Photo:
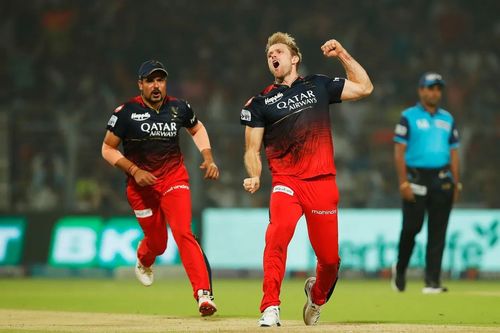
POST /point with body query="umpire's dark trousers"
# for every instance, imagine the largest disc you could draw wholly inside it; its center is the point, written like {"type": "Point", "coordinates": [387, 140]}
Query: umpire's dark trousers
{"type": "Point", "coordinates": [434, 197]}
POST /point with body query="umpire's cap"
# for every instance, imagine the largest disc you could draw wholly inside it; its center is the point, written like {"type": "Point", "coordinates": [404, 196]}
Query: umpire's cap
{"type": "Point", "coordinates": [148, 67]}
{"type": "Point", "coordinates": [431, 78]}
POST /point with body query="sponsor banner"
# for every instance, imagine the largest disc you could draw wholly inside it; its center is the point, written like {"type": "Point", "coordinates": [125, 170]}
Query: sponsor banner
{"type": "Point", "coordinates": [368, 240]}
{"type": "Point", "coordinates": [12, 232]}
{"type": "Point", "coordinates": [234, 239]}
{"type": "Point", "coordinates": [90, 242]}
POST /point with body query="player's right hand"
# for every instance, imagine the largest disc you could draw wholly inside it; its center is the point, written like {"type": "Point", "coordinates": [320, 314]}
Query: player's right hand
{"type": "Point", "coordinates": [251, 184]}
{"type": "Point", "coordinates": [407, 194]}
{"type": "Point", "coordinates": [144, 178]}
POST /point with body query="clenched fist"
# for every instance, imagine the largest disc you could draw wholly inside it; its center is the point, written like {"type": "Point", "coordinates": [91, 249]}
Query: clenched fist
{"type": "Point", "coordinates": [251, 184]}
{"type": "Point", "coordinates": [332, 48]}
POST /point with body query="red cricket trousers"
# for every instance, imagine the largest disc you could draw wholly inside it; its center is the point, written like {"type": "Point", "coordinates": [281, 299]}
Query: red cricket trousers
{"type": "Point", "coordinates": [291, 198]}
{"type": "Point", "coordinates": [169, 202]}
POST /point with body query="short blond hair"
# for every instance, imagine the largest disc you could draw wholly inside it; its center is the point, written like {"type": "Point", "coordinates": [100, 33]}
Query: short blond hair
{"type": "Point", "coordinates": [288, 40]}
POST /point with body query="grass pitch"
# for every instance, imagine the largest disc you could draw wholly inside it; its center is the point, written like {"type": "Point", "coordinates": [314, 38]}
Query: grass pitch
{"type": "Point", "coordinates": [470, 306]}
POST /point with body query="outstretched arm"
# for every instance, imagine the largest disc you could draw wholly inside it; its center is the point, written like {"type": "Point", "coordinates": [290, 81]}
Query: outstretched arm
{"type": "Point", "coordinates": [114, 157]}
{"type": "Point", "coordinates": [253, 164]}
{"type": "Point", "coordinates": [358, 83]}
{"type": "Point", "coordinates": [200, 138]}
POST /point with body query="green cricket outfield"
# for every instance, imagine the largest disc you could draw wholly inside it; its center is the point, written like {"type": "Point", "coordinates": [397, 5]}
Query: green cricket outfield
{"type": "Point", "coordinates": [108, 305]}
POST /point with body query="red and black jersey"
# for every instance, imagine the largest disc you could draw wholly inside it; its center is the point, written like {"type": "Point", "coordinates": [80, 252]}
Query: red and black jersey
{"type": "Point", "coordinates": [297, 137]}
{"type": "Point", "coordinates": [150, 138]}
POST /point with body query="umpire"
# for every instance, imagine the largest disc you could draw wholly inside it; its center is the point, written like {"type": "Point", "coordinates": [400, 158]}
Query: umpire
{"type": "Point", "coordinates": [426, 158]}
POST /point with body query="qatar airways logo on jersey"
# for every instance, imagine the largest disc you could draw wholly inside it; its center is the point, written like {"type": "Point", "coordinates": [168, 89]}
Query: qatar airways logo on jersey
{"type": "Point", "coordinates": [160, 129]}
{"type": "Point", "coordinates": [274, 99]}
{"type": "Point", "coordinates": [298, 101]}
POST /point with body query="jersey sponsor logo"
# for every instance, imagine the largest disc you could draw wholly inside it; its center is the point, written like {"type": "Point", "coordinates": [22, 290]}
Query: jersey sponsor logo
{"type": "Point", "coordinates": [143, 212]}
{"type": "Point", "coordinates": [324, 212]}
{"type": "Point", "coordinates": [177, 187]}
{"type": "Point", "coordinates": [298, 101]}
{"type": "Point", "coordinates": [160, 129]}
{"type": "Point", "coordinates": [246, 115]}
{"type": "Point", "coordinates": [401, 130]}
{"type": "Point", "coordinates": [283, 189]}
{"type": "Point", "coordinates": [423, 124]}
{"type": "Point", "coordinates": [442, 124]}
{"type": "Point", "coordinates": [140, 116]}
{"type": "Point", "coordinates": [112, 121]}
{"type": "Point", "coordinates": [274, 99]}
{"type": "Point", "coordinates": [192, 120]}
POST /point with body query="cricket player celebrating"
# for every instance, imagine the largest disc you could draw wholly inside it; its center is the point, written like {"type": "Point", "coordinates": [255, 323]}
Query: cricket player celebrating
{"type": "Point", "coordinates": [158, 183]}
{"type": "Point", "coordinates": [291, 118]}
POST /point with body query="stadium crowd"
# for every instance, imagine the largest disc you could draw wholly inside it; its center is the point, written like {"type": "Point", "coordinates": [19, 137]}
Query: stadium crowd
{"type": "Point", "coordinates": [66, 65]}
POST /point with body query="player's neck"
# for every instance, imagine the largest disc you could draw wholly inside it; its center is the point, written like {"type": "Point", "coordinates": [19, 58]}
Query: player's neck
{"type": "Point", "coordinates": [432, 109]}
{"type": "Point", "coordinates": [288, 79]}
{"type": "Point", "coordinates": [155, 106]}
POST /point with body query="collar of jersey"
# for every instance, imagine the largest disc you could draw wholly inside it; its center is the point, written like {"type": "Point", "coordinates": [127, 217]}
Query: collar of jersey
{"type": "Point", "coordinates": [296, 81]}
{"type": "Point", "coordinates": [422, 109]}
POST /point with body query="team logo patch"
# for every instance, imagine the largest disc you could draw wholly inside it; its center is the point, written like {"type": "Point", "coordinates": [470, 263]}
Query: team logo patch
{"type": "Point", "coordinates": [423, 124]}
{"type": "Point", "coordinates": [283, 189]}
{"type": "Point", "coordinates": [112, 121]}
{"type": "Point", "coordinates": [174, 111]}
{"type": "Point", "coordinates": [143, 213]}
{"type": "Point", "coordinates": [246, 115]}
{"type": "Point", "coordinates": [140, 116]}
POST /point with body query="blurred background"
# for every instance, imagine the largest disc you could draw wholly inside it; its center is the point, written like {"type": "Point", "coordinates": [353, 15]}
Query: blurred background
{"type": "Point", "coordinates": [66, 65]}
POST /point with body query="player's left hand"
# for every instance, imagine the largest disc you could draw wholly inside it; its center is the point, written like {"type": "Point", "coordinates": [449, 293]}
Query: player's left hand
{"type": "Point", "coordinates": [332, 48]}
{"type": "Point", "coordinates": [211, 169]}
{"type": "Point", "coordinates": [456, 194]}
{"type": "Point", "coordinates": [251, 184]}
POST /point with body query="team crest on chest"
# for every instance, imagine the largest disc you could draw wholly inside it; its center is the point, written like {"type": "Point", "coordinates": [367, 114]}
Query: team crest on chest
{"type": "Point", "coordinates": [174, 111]}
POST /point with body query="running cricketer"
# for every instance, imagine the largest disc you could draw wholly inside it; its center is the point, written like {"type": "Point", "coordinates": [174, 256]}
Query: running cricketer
{"type": "Point", "coordinates": [291, 118]}
{"type": "Point", "coordinates": [157, 180]}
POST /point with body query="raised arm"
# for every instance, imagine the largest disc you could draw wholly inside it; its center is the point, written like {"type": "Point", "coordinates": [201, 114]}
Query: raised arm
{"type": "Point", "coordinates": [358, 83]}
{"type": "Point", "coordinates": [253, 164]}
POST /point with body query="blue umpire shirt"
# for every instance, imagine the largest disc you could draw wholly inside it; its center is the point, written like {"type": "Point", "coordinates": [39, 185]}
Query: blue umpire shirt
{"type": "Point", "coordinates": [428, 137]}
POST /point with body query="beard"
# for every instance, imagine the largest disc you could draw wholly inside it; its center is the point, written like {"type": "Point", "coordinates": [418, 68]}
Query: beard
{"type": "Point", "coordinates": [154, 97]}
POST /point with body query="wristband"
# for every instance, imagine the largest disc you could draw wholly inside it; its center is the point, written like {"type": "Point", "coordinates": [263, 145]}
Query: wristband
{"type": "Point", "coordinates": [404, 185]}
{"type": "Point", "coordinates": [132, 170]}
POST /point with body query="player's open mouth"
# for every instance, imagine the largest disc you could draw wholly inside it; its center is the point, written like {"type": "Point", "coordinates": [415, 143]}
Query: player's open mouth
{"type": "Point", "coordinates": [156, 94]}
{"type": "Point", "coordinates": [276, 64]}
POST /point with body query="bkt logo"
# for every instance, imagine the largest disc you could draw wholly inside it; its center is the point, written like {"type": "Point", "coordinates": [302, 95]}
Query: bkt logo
{"type": "Point", "coordinates": [298, 101]}
{"type": "Point", "coordinates": [274, 99]}
{"type": "Point", "coordinates": [140, 116]}
{"type": "Point", "coordinates": [160, 129]}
